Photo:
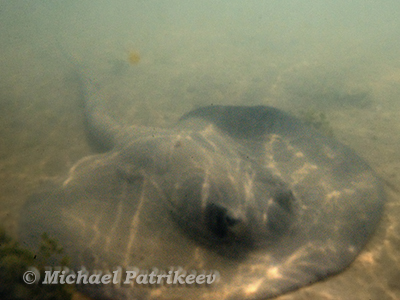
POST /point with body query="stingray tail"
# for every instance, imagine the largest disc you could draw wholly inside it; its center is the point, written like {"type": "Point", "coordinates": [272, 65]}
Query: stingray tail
{"type": "Point", "coordinates": [101, 130]}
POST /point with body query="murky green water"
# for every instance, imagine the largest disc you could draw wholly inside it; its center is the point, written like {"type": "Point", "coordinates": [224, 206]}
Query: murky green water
{"type": "Point", "coordinates": [155, 60]}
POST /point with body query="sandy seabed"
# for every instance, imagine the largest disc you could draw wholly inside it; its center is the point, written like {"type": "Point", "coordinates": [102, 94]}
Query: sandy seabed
{"type": "Point", "coordinates": [42, 132]}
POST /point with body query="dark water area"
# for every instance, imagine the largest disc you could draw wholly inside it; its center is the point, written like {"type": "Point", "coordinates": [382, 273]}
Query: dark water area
{"type": "Point", "coordinates": [156, 60]}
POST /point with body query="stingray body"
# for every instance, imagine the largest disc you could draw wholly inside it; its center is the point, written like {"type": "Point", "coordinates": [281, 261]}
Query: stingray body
{"type": "Point", "coordinates": [247, 193]}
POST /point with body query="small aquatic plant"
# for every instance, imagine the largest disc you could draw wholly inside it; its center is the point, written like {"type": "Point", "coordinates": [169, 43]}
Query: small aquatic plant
{"type": "Point", "coordinates": [15, 261]}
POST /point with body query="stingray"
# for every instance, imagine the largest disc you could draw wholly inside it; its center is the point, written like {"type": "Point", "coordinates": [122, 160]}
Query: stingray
{"type": "Point", "coordinates": [248, 194]}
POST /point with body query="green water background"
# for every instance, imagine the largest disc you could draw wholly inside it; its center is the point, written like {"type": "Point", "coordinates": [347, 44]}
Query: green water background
{"type": "Point", "coordinates": [335, 57]}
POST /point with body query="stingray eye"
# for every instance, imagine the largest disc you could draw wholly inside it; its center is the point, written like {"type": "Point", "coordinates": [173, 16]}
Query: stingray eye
{"type": "Point", "coordinates": [285, 200]}
{"type": "Point", "coordinates": [280, 213]}
{"type": "Point", "coordinates": [127, 175]}
{"type": "Point", "coordinates": [219, 222]}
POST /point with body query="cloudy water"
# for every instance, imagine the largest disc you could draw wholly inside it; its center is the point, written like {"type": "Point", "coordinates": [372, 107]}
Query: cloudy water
{"type": "Point", "coordinates": [334, 62]}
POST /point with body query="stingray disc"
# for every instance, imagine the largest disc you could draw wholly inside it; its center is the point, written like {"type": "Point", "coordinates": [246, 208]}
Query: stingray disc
{"type": "Point", "coordinates": [248, 196]}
